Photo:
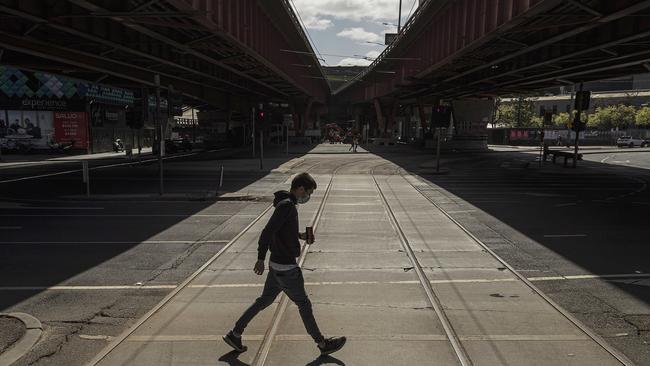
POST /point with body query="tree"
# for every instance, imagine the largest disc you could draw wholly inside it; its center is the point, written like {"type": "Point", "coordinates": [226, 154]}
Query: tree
{"type": "Point", "coordinates": [518, 112]}
{"type": "Point", "coordinates": [643, 117]}
{"type": "Point", "coordinates": [561, 120]}
{"type": "Point", "coordinates": [621, 116]}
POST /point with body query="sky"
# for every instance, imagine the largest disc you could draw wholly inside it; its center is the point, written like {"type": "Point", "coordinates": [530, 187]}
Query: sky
{"type": "Point", "coordinates": [347, 32]}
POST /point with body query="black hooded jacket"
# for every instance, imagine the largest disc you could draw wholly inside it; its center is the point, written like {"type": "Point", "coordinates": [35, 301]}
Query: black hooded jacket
{"type": "Point", "coordinates": [281, 232]}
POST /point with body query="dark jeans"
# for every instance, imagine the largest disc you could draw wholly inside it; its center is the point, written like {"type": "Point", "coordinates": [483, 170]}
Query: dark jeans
{"type": "Point", "coordinates": [293, 284]}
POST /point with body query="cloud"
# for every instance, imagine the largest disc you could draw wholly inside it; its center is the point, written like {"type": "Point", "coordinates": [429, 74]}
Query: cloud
{"type": "Point", "coordinates": [359, 35]}
{"type": "Point", "coordinates": [355, 10]}
{"type": "Point", "coordinates": [317, 23]}
{"type": "Point", "coordinates": [371, 55]}
{"type": "Point", "coordinates": [354, 62]}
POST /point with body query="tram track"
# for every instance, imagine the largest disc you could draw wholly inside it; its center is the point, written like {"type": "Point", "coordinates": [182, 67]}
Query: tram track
{"type": "Point", "coordinates": [620, 357]}
{"type": "Point", "coordinates": [432, 297]}
{"type": "Point", "coordinates": [267, 341]}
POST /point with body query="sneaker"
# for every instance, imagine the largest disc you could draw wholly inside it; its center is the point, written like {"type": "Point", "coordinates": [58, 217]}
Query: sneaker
{"type": "Point", "coordinates": [234, 342]}
{"type": "Point", "coordinates": [332, 345]}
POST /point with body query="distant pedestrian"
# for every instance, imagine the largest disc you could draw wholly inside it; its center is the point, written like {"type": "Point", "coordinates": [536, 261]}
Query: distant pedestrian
{"type": "Point", "coordinates": [280, 236]}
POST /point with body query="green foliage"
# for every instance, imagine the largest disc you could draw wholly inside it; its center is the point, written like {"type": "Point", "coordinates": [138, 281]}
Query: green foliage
{"type": "Point", "coordinates": [517, 113]}
{"type": "Point", "coordinates": [643, 117]}
{"type": "Point", "coordinates": [621, 116]}
{"type": "Point", "coordinates": [561, 120]}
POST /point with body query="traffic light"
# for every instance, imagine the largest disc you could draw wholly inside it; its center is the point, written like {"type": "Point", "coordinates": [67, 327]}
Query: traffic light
{"type": "Point", "coordinates": [441, 116]}
{"type": "Point", "coordinates": [261, 118]}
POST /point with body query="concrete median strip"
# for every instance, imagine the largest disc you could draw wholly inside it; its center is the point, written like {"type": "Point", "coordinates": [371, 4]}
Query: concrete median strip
{"type": "Point", "coordinates": [33, 331]}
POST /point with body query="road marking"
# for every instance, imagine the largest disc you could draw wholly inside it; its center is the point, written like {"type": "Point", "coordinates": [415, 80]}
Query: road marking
{"type": "Point", "coordinates": [148, 242]}
{"type": "Point", "coordinates": [605, 159]}
{"type": "Point", "coordinates": [96, 337]}
{"type": "Point", "coordinates": [565, 236]}
{"type": "Point", "coordinates": [11, 227]}
{"type": "Point", "coordinates": [135, 161]}
{"type": "Point", "coordinates": [54, 208]}
{"type": "Point", "coordinates": [366, 337]}
{"type": "Point", "coordinates": [39, 176]}
{"type": "Point", "coordinates": [85, 288]}
{"type": "Point", "coordinates": [126, 215]}
{"type": "Point", "coordinates": [323, 283]}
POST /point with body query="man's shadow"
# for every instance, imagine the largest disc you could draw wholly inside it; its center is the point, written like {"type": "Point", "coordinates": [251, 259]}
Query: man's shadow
{"type": "Point", "coordinates": [326, 360]}
{"type": "Point", "coordinates": [232, 359]}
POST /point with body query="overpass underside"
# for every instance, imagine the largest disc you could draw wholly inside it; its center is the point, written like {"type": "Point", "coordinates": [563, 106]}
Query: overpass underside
{"type": "Point", "coordinates": [222, 53]}
{"type": "Point", "coordinates": [481, 49]}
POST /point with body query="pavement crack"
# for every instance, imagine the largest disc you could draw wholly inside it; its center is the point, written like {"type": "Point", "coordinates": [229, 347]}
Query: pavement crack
{"type": "Point", "coordinates": [176, 263]}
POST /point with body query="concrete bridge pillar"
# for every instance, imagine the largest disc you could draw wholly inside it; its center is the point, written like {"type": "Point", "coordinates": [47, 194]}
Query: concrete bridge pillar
{"type": "Point", "coordinates": [470, 121]}
{"type": "Point", "coordinates": [379, 113]}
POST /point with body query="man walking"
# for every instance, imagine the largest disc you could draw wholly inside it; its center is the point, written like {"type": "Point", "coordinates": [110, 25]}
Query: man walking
{"type": "Point", "coordinates": [280, 236]}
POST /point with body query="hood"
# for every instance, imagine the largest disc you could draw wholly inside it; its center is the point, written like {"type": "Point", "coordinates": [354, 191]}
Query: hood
{"type": "Point", "coordinates": [282, 195]}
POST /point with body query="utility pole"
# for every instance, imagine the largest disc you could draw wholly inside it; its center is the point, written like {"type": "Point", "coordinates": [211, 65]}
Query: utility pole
{"type": "Point", "coordinates": [253, 128]}
{"type": "Point", "coordinates": [576, 126]}
{"type": "Point", "coordinates": [399, 18]}
{"type": "Point", "coordinates": [159, 130]}
{"type": "Point", "coordinates": [261, 150]}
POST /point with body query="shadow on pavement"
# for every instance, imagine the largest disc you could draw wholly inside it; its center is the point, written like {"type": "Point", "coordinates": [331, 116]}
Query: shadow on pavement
{"type": "Point", "coordinates": [326, 360]}
{"type": "Point", "coordinates": [232, 359]}
{"type": "Point", "coordinates": [595, 216]}
{"type": "Point", "coordinates": [51, 234]}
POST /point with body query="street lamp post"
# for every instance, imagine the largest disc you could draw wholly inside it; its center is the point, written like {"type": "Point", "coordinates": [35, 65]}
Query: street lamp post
{"type": "Point", "coordinates": [399, 17]}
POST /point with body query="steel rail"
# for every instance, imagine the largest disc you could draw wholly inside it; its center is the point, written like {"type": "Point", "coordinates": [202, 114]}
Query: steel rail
{"type": "Point", "coordinates": [590, 333]}
{"type": "Point", "coordinates": [122, 337]}
{"type": "Point", "coordinates": [267, 341]}
{"type": "Point", "coordinates": [453, 338]}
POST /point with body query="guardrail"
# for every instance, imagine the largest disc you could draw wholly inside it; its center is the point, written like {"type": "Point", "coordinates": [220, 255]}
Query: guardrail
{"type": "Point", "coordinates": [384, 55]}
{"type": "Point", "coordinates": [301, 31]}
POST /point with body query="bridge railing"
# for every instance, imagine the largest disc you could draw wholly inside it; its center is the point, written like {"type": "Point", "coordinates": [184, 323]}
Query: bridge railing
{"type": "Point", "coordinates": [296, 21]}
{"type": "Point", "coordinates": [384, 55]}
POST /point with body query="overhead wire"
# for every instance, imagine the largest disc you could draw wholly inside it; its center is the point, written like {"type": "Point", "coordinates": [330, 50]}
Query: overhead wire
{"type": "Point", "coordinates": [307, 32]}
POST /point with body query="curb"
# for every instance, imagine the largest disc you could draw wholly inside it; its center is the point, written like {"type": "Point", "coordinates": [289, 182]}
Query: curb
{"type": "Point", "coordinates": [33, 332]}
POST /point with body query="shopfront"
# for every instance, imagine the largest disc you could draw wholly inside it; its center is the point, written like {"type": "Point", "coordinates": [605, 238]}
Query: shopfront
{"type": "Point", "coordinates": [40, 111]}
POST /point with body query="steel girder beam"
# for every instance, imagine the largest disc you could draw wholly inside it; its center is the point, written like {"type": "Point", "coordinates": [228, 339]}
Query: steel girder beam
{"type": "Point", "coordinates": [554, 60]}
{"type": "Point", "coordinates": [561, 73]}
{"type": "Point", "coordinates": [618, 14]}
{"type": "Point", "coordinates": [457, 29]}
{"type": "Point", "coordinates": [120, 47]}
{"type": "Point", "coordinates": [486, 29]}
{"type": "Point", "coordinates": [98, 64]}
{"type": "Point", "coordinates": [566, 75]}
{"type": "Point", "coordinates": [253, 40]}
{"type": "Point", "coordinates": [606, 19]}
{"type": "Point", "coordinates": [92, 7]}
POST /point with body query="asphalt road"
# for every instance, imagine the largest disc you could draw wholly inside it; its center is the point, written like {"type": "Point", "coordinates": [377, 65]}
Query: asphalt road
{"type": "Point", "coordinates": [570, 228]}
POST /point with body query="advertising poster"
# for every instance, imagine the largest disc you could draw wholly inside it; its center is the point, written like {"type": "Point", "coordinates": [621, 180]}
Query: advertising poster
{"type": "Point", "coordinates": [71, 126]}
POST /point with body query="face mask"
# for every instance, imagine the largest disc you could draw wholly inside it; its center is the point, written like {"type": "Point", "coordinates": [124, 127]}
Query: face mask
{"type": "Point", "coordinates": [303, 200]}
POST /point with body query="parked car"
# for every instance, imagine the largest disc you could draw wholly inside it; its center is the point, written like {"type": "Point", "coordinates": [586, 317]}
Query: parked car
{"type": "Point", "coordinates": [630, 141]}
{"type": "Point", "coordinates": [171, 147]}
